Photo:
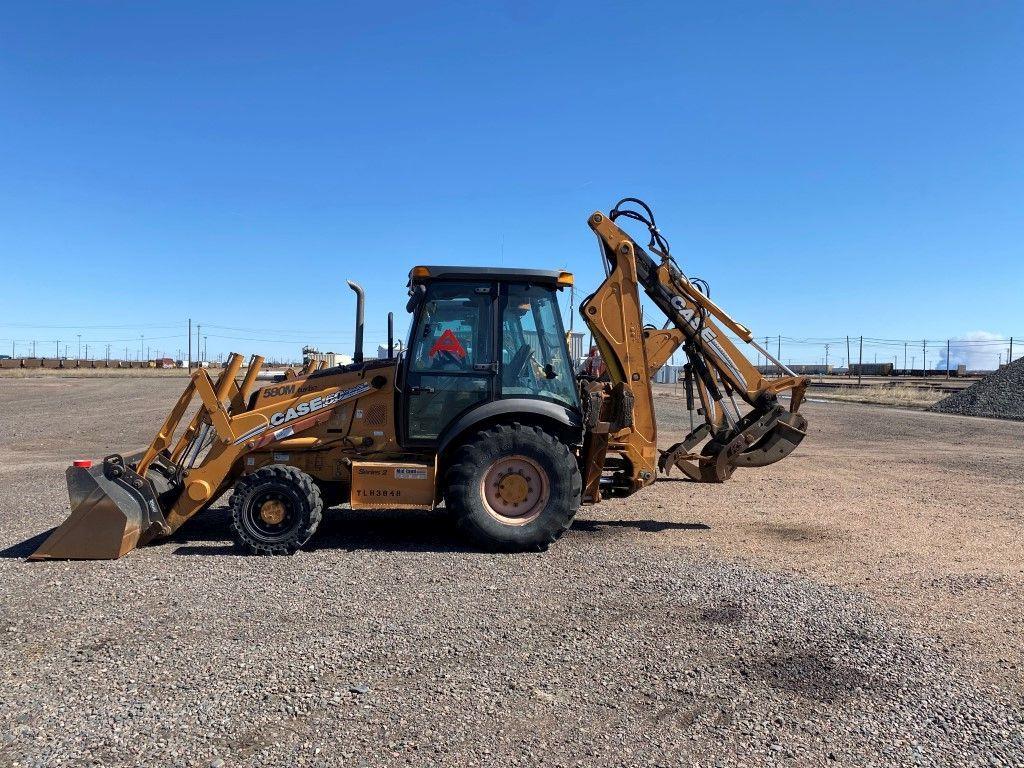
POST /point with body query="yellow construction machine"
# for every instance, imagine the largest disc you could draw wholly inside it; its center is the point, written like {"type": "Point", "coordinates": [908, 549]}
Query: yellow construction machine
{"type": "Point", "coordinates": [483, 410]}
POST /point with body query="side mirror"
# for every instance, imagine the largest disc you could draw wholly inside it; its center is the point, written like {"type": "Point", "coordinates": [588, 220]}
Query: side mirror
{"type": "Point", "coordinates": [418, 292]}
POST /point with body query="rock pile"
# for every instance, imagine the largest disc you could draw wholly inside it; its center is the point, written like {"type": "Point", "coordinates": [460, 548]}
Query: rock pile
{"type": "Point", "coordinates": [999, 395]}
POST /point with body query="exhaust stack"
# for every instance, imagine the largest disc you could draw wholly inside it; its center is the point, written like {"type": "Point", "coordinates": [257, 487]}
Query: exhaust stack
{"type": "Point", "coordinates": [357, 355]}
{"type": "Point", "coordinates": [391, 335]}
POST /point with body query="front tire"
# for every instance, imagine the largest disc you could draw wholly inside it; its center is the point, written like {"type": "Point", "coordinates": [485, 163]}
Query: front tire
{"type": "Point", "coordinates": [513, 488]}
{"type": "Point", "coordinates": [275, 510]}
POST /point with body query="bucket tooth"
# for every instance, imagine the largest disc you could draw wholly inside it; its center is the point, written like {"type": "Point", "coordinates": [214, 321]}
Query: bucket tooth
{"type": "Point", "coordinates": [113, 511]}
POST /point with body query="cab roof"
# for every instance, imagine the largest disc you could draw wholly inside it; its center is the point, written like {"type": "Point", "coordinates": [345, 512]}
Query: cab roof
{"type": "Point", "coordinates": [424, 274]}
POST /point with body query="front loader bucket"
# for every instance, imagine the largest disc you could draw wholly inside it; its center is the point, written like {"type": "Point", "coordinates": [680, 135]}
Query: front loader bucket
{"type": "Point", "coordinates": [113, 511]}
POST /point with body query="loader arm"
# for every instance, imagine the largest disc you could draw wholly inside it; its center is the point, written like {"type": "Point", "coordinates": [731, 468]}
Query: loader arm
{"type": "Point", "coordinates": [128, 501]}
{"type": "Point", "coordinates": [620, 454]}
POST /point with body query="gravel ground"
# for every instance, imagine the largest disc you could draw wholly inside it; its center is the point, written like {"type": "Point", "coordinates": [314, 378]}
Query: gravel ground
{"type": "Point", "coordinates": [999, 395]}
{"type": "Point", "coordinates": [657, 632]}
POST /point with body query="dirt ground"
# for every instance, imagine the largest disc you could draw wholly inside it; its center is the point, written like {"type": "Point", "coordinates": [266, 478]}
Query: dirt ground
{"type": "Point", "coordinates": [887, 528]}
{"type": "Point", "coordinates": [923, 512]}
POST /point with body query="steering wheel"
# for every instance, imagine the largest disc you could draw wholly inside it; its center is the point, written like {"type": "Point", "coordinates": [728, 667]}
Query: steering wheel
{"type": "Point", "coordinates": [446, 361]}
{"type": "Point", "coordinates": [518, 363]}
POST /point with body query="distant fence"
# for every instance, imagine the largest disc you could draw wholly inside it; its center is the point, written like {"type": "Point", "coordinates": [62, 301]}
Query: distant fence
{"type": "Point", "coordinates": [53, 362]}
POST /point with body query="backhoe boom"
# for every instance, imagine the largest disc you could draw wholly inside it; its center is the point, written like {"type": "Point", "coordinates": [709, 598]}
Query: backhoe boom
{"type": "Point", "coordinates": [719, 372]}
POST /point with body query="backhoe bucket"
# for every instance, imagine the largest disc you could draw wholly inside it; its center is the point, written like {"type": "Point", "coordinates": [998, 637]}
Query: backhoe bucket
{"type": "Point", "coordinates": [113, 511]}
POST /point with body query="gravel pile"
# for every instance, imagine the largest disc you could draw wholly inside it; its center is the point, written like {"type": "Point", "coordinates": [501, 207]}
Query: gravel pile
{"type": "Point", "coordinates": [999, 395]}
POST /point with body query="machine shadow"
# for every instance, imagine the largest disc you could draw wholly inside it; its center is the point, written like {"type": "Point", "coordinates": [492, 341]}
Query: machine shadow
{"type": "Point", "coordinates": [647, 526]}
{"type": "Point", "coordinates": [208, 533]}
{"type": "Point", "coordinates": [23, 549]}
{"type": "Point", "coordinates": [392, 530]}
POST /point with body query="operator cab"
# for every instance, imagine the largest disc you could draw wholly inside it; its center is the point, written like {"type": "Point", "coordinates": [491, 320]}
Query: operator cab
{"type": "Point", "coordinates": [479, 336]}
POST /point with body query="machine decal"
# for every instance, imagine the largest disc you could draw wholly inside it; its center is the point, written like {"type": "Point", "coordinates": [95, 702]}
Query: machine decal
{"type": "Point", "coordinates": [410, 473]}
{"type": "Point", "coordinates": [251, 433]}
{"type": "Point", "coordinates": [707, 335]}
{"type": "Point", "coordinates": [448, 342]}
{"type": "Point", "coordinates": [286, 389]}
{"type": "Point", "coordinates": [318, 404]}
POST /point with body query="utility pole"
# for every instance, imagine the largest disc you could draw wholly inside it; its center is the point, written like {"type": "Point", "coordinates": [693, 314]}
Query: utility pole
{"type": "Point", "coordinates": [1010, 358]}
{"type": "Point", "coordinates": [860, 361]}
{"type": "Point", "coordinates": [947, 358]}
{"type": "Point", "coordinates": [147, 353]}
{"type": "Point", "coordinates": [58, 349]}
{"type": "Point", "coordinates": [904, 356]}
{"type": "Point", "coordinates": [79, 345]}
{"type": "Point", "coordinates": [126, 353]}
{"type": "Point", "coordinates": [779, 351]}
{"type": "Point", "coordinates": [572, 303]}
{"type": "Point", "coordinates": [205, 349]}
{"type": "Point", "coordinates": [924, 358]}
{"type": "Point", "coordinates": [86, 350]}
{"type": "Point", "coordinates": [199, 348]}
{"type": "Point", "coordinates": [190, 345]}
{"type": "Point", "coordinates": [848, 358]}
{"type": "Point", "coordinates": [108, 353]}
{"type": "Point", "coordinates": [826, 356]}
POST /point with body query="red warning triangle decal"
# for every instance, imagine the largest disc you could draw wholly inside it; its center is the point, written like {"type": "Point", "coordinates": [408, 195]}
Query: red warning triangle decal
{"type": "Point", "coordinates": [448, 342]}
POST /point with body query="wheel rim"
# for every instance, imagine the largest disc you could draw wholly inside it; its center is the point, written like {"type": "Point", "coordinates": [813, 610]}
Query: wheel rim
{"type": "Point", "coordinates": [270, 516]}
{"type": "Point", "coordinates": [515, 490]}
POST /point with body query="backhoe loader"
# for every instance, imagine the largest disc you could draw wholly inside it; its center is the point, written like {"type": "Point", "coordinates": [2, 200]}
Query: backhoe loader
{"type": "Point", "coordinates": [482, 411]}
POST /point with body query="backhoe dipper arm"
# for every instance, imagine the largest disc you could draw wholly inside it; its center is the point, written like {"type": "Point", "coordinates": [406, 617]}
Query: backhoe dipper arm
{"type": "Point", "coordinates": [720, 372]}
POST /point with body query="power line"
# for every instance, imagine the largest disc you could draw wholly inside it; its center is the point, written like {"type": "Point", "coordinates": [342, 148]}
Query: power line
{"type": "Point", "coordinates": [86, 327]}
{"type": "Point", "coordinates": [89, 341]}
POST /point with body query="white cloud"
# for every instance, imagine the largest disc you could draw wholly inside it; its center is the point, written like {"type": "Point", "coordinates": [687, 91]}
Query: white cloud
{"type": "Point", "coordinates": [978, 350]}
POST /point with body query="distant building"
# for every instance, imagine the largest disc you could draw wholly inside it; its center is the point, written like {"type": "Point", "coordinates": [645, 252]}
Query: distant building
{"type": "Point", "coordinates": [669, 374]}
{"type": "Point", "coordinates": [382, 350]}
{"type": "Point", "coordinates": [326, 359]}
{"type": "Point", "coordinates": [576, 351]}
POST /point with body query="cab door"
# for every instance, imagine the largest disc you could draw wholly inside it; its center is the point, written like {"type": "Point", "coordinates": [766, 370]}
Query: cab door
{"type": "Point", "coordinates": [451, 364]}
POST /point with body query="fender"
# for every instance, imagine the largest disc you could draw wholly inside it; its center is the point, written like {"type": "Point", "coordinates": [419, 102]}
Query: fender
{"type": "Point", "coordinates": [510, 406]}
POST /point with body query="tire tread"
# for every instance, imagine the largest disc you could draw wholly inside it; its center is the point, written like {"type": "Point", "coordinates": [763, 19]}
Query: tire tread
{"type": "Point", "coordinates": [282, 473]}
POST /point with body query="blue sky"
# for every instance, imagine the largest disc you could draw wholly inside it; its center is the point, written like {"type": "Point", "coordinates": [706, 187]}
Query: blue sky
{"type": "Point", "coordinates": [830, 168]}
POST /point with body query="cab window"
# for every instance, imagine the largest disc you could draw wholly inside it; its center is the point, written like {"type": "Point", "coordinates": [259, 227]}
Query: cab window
{"type": "Point", "coordinates": [450, 357]}
{"type": "Point", "coordinates": [453, 332]}
{"type": "Point", "coordinates": [534, 361]}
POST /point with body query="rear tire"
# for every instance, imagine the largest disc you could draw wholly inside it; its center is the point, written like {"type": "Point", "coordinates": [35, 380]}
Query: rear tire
{"type": "Point", "coordinates": [513, 488]}
{"type": "Point", "coordinates": [275, 510]}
